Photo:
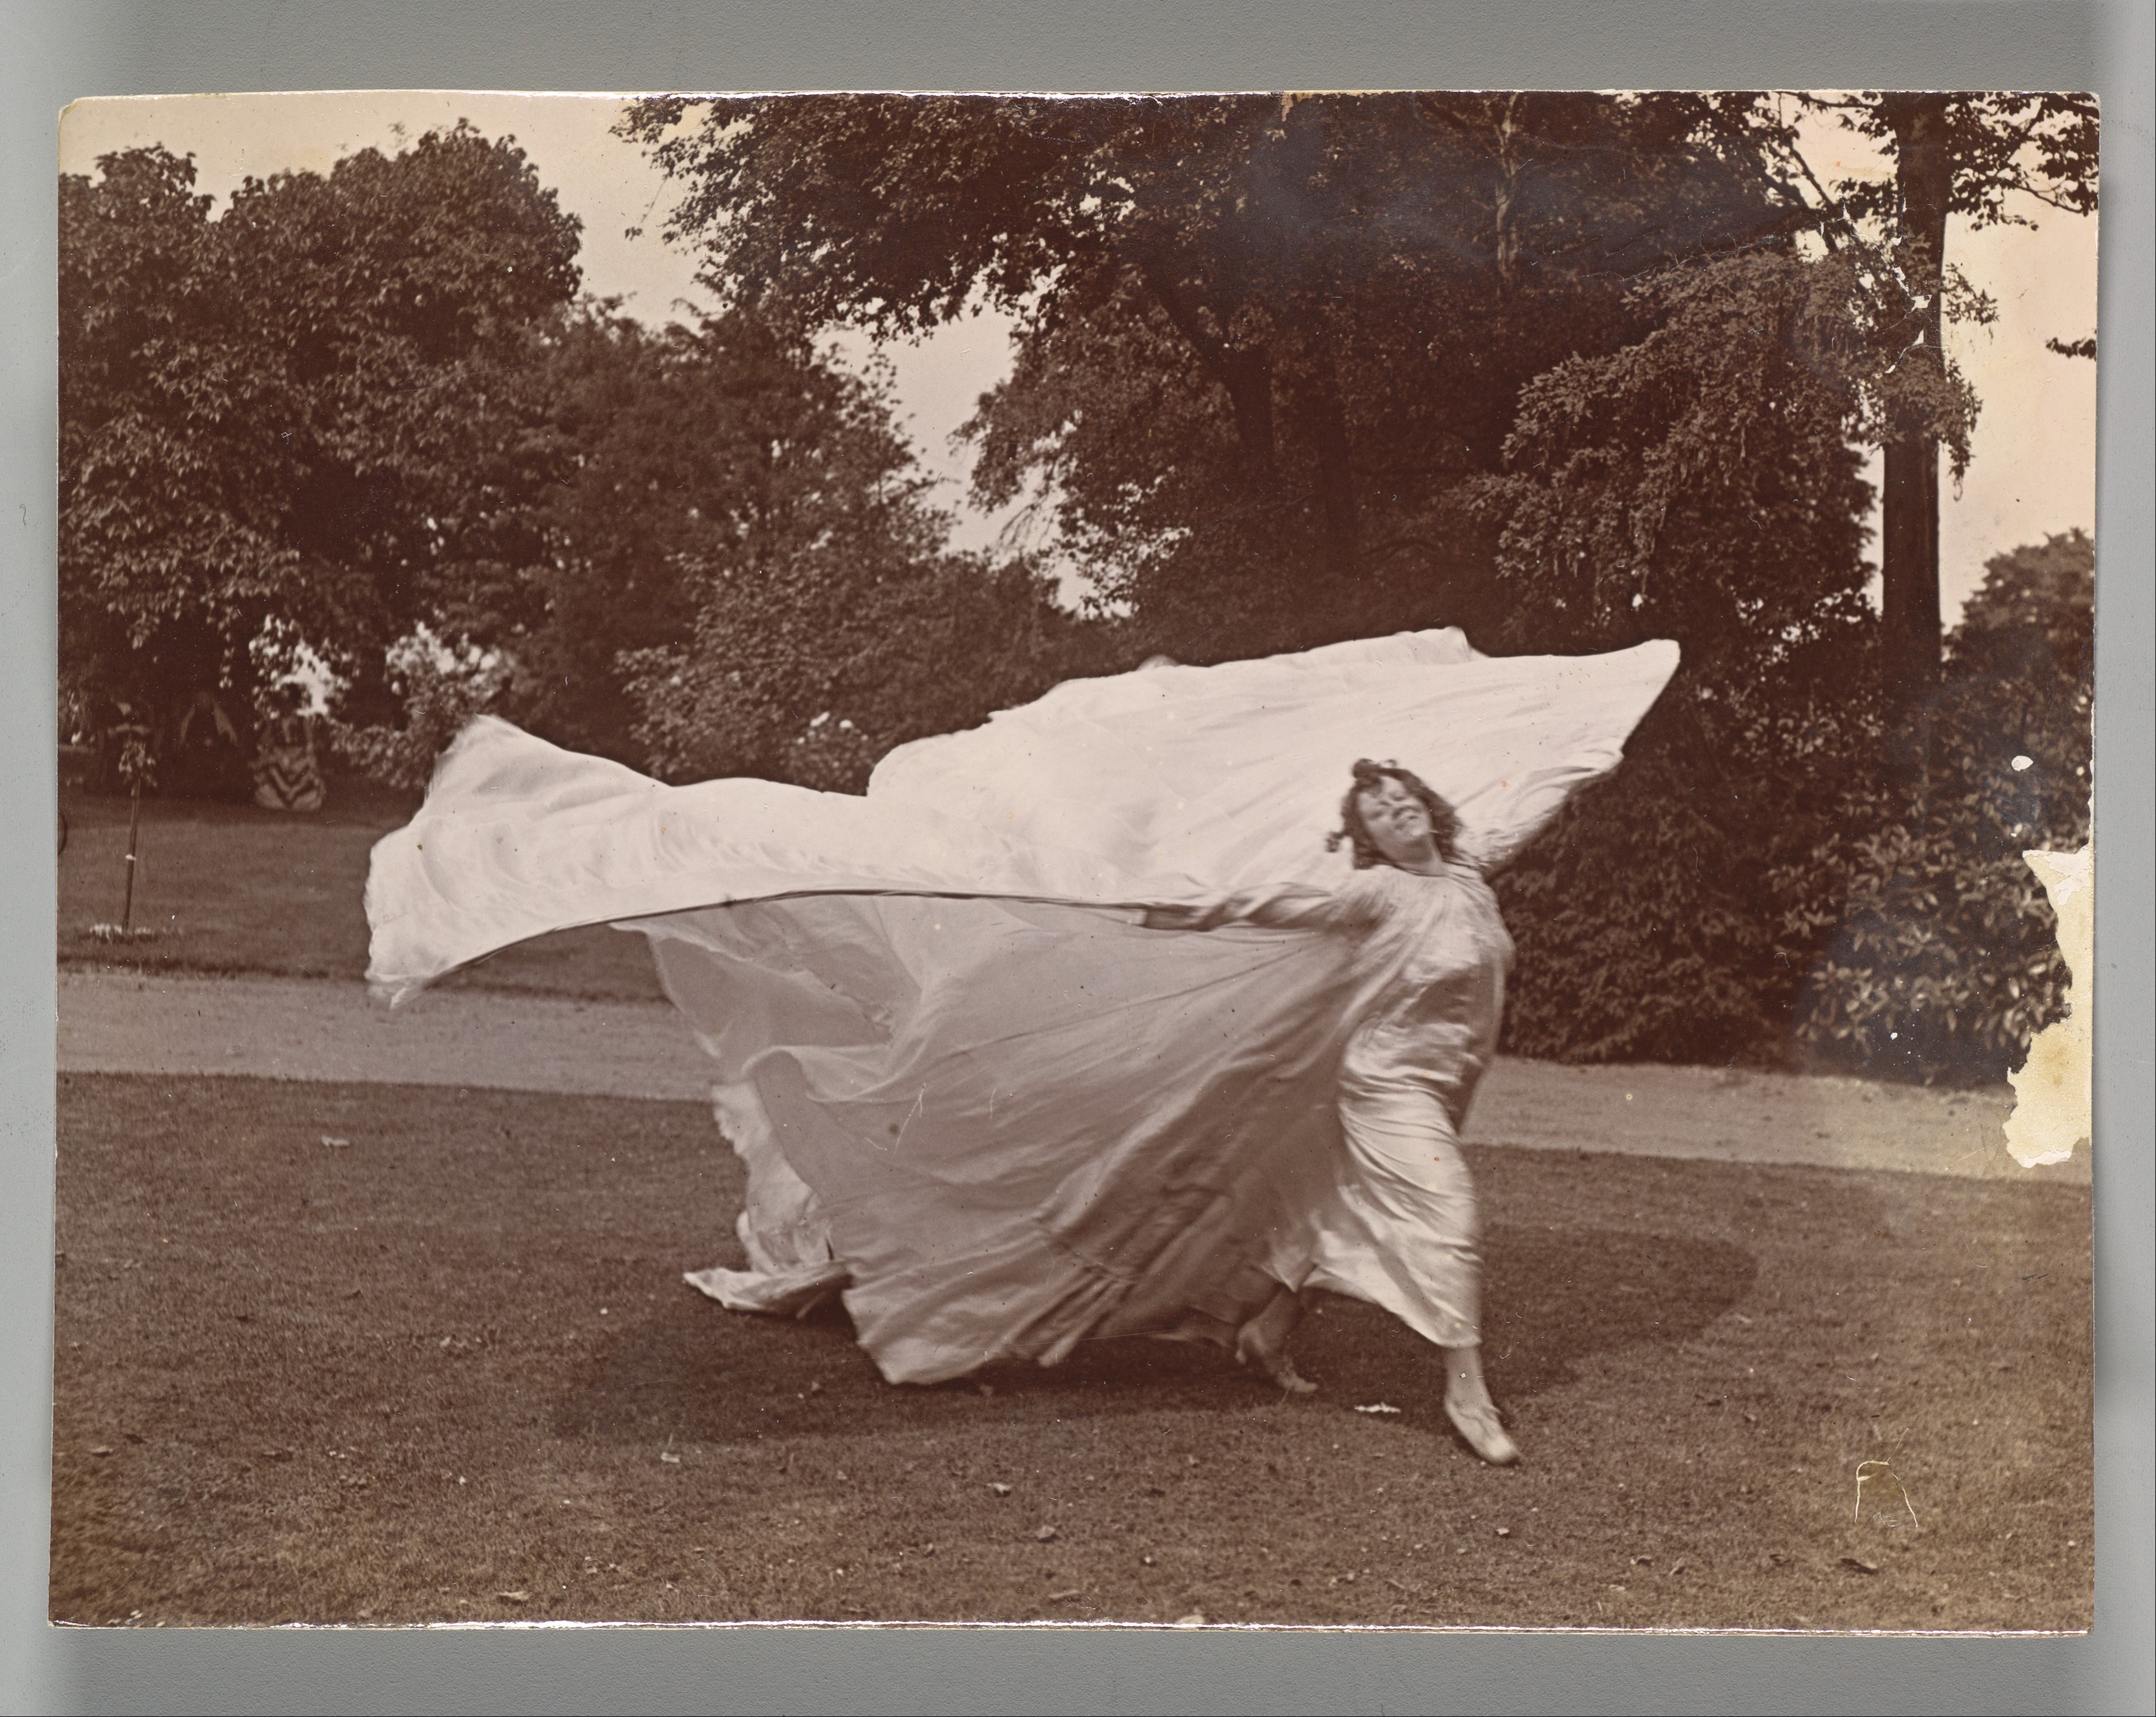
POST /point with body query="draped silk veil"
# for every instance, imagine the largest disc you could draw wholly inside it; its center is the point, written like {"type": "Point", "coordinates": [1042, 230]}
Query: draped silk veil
{"type": "Point", "coordinates": [971, 1087]}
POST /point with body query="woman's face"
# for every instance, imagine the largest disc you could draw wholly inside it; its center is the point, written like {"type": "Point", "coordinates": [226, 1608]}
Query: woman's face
{"type": "Point", "coordinates": [1399, 822]}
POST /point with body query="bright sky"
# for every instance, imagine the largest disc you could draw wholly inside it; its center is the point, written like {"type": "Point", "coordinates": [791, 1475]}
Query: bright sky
{"type": "Point", "coordinates": [2035, 467]}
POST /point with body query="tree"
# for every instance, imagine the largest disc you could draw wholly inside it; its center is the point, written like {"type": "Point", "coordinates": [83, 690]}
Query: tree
{"type": "Point", "coordinates": [1262, 336]}
{"type": "Point", "coordinates": [274, 423]}
{"type": "Point", "coordinates": [730, 568]}
{"type": "Point", "coordinates": [166, 446]}
{"type": "Point", "coordinates": [1758, 880]}
{"type": "Point", "coordinates": [1985, 157]}
{"type": "Point", "coordinates": [1697, 484]}
{"type": "Point", "coordinates": [797, 611]}
{"type": "Point", "coordinates": [359, 414]}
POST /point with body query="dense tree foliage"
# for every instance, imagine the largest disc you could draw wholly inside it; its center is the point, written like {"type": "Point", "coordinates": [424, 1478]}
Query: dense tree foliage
{"type": "Point", "coordinates": [1764, 878]}
{"type": "Point", "coordinates": [1776, 893]}
{"type": "Point", "coordinates": [361, 415]}
{"type": "Point", "coordinates": [1943, 956]}
{"type": "Point", "coordinates": [746, 578]}
{"type": "Point", "coordinates": [273, 423]}
{"type": "Point", "coordinates": [1263, 338]}
{"type": "Point", "coordinates": [1697, 485]}
{"type": "Point", "coordinates": [730, 569]}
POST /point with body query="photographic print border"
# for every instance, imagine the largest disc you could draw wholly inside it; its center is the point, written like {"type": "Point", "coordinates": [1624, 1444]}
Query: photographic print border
{"type": "Point", "coordinates": [60, 53]}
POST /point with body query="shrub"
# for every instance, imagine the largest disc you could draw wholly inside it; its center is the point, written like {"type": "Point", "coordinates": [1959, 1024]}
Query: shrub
{"type": "Point", "coordinates": [1944, 963]}
{"type": "Point", "coordinates": [1632, 945]}
{"type": "Point", "coordinates": [440, 691]}
{"type": "Point", "coordinates": [1753, 885]}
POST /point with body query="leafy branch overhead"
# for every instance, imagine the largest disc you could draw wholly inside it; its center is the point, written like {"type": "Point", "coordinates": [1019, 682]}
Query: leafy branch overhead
{"type": "Point", "coordinates": [1262, 338]}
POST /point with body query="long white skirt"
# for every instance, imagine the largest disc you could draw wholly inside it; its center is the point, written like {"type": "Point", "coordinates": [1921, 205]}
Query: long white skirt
{"type": "Point", "coordinates": [1045, 1123]}
{"type": "Point", "coordinates": [1400, 1226]}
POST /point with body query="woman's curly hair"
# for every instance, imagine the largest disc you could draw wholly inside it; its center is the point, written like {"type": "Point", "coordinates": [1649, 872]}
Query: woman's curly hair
{"type": "Point", "coordinates": [1444, 823]}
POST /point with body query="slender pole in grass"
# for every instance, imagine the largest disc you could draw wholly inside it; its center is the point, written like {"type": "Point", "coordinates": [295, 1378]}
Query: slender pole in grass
{"type": "Point", "coordinates": [134, 826]}
{"type": "Point", "coordinates": [135, 766]}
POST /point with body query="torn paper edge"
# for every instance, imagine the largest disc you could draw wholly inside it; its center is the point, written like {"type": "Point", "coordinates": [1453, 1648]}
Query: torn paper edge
{"type": "Point", "coordinates": [2052, 1088]}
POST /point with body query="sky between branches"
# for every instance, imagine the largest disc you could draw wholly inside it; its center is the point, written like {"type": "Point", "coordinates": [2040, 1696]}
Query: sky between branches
{"type": "Point", "coordinates": [2034, 472]}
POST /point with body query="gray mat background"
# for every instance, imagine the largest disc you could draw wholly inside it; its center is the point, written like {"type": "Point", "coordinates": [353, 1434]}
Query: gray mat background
{"type": "Point", "coordinates": [52, 51]}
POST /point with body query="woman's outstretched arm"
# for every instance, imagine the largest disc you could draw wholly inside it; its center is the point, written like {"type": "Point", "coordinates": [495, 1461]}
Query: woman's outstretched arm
{"type": "Point", "coordinates": [1292, 906]}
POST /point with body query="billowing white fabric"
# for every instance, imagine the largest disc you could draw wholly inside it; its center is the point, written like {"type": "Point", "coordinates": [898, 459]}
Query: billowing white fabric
{"type": "Point", "coordinates": [970, 1085]}
{"type": "Point", "coordinates": [1171, 784]}
{"type": "Point", "coordinates": [1022, 1125]}
{"type": "Point", "coordinates": [1230, 774]}
{"type": "Point", "coordinates": [518, 838]}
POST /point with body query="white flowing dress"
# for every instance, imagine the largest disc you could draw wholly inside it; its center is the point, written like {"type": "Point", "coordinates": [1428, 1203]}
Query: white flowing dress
{"type": "Point", "coordinates": [975, 1094]}
{"type": "Point", "coordinates": [1398, 1224]}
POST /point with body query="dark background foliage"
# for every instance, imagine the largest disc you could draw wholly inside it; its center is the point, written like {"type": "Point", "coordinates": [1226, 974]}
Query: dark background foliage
{"type": "Point", "coordinates": [1810, 908]}
{"type": "Point", "coordinates": [1569, 371]}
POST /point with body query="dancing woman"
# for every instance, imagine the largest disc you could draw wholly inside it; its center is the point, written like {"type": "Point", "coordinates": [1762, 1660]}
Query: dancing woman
{"type": "Point", "coordinates": [979, 1093]}
{"type": "Point", "coordinates": [1400, 1226]}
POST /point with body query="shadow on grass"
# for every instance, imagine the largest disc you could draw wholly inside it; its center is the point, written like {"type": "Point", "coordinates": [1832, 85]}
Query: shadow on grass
{"type": "Point", "coordinates": [1556, 1298]}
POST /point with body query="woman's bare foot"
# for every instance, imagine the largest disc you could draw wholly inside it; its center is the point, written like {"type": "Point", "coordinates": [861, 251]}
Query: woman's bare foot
{"type": "Point", "coordinates": [1278, 1366]}
{"type": "Point", "coordinates": [1476, 1422]}
{"type": "Point", "coordinates": [1264, 1339]}
{"type": "Point", "coordinates": [1473, 1414]}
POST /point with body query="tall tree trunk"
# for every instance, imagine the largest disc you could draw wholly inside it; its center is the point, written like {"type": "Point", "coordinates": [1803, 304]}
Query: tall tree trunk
{"type": "Point", "coordinates": [1325, 419]}
{"type": "Point", "coordinates": [1510, 176]}
{"type": "Point", "coordinates": [1909, 562]}
{"type": "Point", "coordinates": [1246, 372]}
{"type": "Point", "coordinates": [1909, 545]}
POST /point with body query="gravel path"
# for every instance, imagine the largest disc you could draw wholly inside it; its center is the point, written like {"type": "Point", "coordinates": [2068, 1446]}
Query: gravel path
{"type": "Point", "coordinates": [300, 1028]}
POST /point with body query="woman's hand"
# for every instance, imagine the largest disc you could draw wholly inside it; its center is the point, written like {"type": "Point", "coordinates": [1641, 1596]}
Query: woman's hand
{"type": "Point", "coordinates": [1247, 906]}
{"type": "Point", "coordinates": [1273, 908]}
{"type": "Point", "coordinates": [1178, 917]}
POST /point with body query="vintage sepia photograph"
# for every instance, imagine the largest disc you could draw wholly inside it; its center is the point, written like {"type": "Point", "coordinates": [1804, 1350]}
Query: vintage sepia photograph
{"type": "Point", "coordinates": [1263, 860]}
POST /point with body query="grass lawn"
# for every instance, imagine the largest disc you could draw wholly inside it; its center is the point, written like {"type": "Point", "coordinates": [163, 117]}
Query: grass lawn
{"type": "Point", "coordinates": [234, 888]}
{"type": "Point", "coordinates": [445, 1369]}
